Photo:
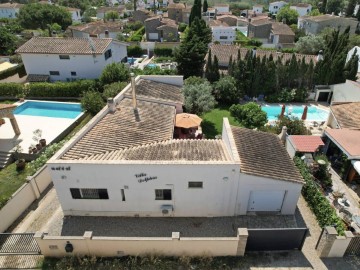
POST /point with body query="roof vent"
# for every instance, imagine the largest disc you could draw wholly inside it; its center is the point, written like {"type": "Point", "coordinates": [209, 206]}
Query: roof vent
{"type": "Point", "coordinates": [111, 105]}
{"type": "Point", "coordinates": [132, 75]}
{"type": "Point", "coordinates": [106, 33]}
{"type": "Point", "coordinates": [282, 135]}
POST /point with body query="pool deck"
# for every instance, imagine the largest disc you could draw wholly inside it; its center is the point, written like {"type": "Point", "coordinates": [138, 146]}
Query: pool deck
{"type": "Point", "coordinates": [51, 128]}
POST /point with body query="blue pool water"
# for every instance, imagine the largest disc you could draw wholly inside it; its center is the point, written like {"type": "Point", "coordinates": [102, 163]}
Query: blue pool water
{"type": "Point", "coordinates": [49, 109]}
{"type": "Point", "coordinates": [151, 65]}
{"type": "Point", "coordinates": [313, 114]}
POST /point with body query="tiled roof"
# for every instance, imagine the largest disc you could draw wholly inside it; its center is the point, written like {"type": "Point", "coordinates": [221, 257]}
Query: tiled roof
{"type": "Point", "coordinates": [281, 29]}
{"type": "Point", "coordinates": [157, 17]}
{"type": "Point", "coordinates": [170, 150]}
{"type": "Point", "coordinates": [72, 9]}
{"type": "Point", "coordinates": [306, 143]}
{"type": "Point", "coordinates": [157, 91]}
{"type": "Point", "coordinates": [348, 139]}
{"type": "Point", "coordinates": [261, 21]}
{"type": "Point", "coordinates": [11, 5]}
{"type": "Point", "coordinates": [98, 27]}
{"type": "Point", "coordinates": [223, 53]}
{"type": "Point", "coordinates": [107, 9]}
{"type": "Point", "coordinates": [262, 154]}
{"type": "Point", "coordinates": [322, 18]}
{"type": "Point", "coordinates": [176, 6]}
{"type": "Point", "coordinates": [53, 45]}
{"type": "Point", "coordinates": [217, 23]}
{"type": "Point", "coordinates": [227, 16]}
{"type": "Point", "coordinates": [347, 115]}
{"type": "Point", "coordinates": [305, 5]}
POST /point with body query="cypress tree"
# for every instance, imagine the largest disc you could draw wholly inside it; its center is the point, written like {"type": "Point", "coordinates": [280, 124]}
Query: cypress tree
{"type": "Point", "coordinates": [351, 67]}
{"type": "Point", "coordinates": [358, 15]}
{"type": "Point", "coordinates": [208, 66]}
{"type": "Point", "coordinates": [215, 70]}
{"type": "Point", "coordinates": [195, 11]}
{"type": "Point", "coordinates": [205, 6]}
{"type": "Point", "coordinates": [350, 8]}
{"type": "Point", "coordinates": [309, 76]}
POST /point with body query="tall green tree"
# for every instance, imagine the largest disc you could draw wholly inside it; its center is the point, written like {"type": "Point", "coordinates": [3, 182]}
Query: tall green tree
{"type": "Point", "coordinates": [323, 6]}
{"type": "Point", "coordinates": [112, 15]}
{"type": "Point", "coordinates": [350, 8]}
{"type": "Point", "coordinates": [358, 15]}
{"type": "Point", "coordinates": [351, 67]}
{"type": "Point", "coordinates": [198, 98]}
{"type": "Point", "coordinates": [8, 41]}
{"type": "Point", "coordinates": [114, 72]}
{"type": "Point", "coordinates": [205, 6]}
{"type": "Point", "coordinates": [33, 16]}
{"type": "Point", "coordinates": [334, 6]}
{"type": "Point", "coordinates": [290, 16]}
{"type": "Point", "coordinates": [195, 11]}
{"type": "Point", "coordinates": [225, 90]}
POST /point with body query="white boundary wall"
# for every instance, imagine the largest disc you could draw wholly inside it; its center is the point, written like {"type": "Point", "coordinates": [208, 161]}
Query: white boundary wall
{"type": "Point", "coordinates": [24, 197]}
{"type": "Point", "coordinates": [87, 245]}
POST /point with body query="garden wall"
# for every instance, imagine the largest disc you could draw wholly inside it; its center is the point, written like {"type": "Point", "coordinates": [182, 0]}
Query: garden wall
{"type": "Point", "coordinates": [87, 245]}
{"type": "Point", "coordinates": [24, 197]}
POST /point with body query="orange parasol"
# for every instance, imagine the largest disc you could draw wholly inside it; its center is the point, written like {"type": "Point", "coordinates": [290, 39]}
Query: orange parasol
{"type": "Point", "coordinates": [187, 120]}
{"type": "Point", "coordinates": [282, 111]}
{"type": "Point", "coordinates": [304, 115]}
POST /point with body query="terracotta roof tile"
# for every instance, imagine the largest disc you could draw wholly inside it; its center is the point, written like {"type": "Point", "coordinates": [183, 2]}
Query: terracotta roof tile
{"type": "Point", "coordinates": [347, 115]}
{"type": "Point", "coordinates": [118, 9]}
{"type": "Point", "coordinates": [52, 45]}
{"type": "Point", "coordinates": [262, 154]}
{"type": "Point", "coordinates": [11, 5]}
{"type": "Point", "coordinates": [281, 29]}
{"type": "Point", "coordinates": [125, 128]}
{"type": "Point", "coordinates": [98, 27]}
{"type": "Point", "coordinates": [176, 6]}
{"type": "Point", "coordinates": [157, 91]}
{"type": "Point", "coordinates": [170, 150]}
{"type": "Point", "coordinates": [306, 143]}
{"type": "Point", "coordinates": [348, 139]}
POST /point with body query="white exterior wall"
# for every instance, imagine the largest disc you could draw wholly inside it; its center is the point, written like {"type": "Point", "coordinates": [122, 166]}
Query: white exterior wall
{"type": "Point", "coordinates": [216, 198]}
{"type": "Point", "coordinates": [81, 34]}
{"type": "Point", "coordinates": [302, 10]}
{"type": "Point", "coordinates": [8, 12]}
{"type": "Point", "coordinates": [248, 183]}
{"type": "Point", "coordinates": [85, 66]}
{"type": "Point", "coordinates": [228, 32]}
{"type": "Point", "coordinates": [275, 7]}
{"type": "Point", "coordinates": [290, 148]}
{"type": "Point", "coordinates": [258, 9]}
{"type": "Point", "coordinates": [75, 15]}
{"type": "Point", "coordinates": [221, 8]}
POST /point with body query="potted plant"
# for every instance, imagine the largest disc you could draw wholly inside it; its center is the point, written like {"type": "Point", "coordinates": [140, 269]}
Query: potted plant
{"type": "Point", "coordinates": [19, 162]}
{"type": "Point", "coordinates": [40, 142]}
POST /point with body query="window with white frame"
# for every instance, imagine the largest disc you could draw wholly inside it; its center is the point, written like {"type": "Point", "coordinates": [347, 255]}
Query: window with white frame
{"type": "Point", "coordinates": [163, 194]}
{"type": "Point", "coordinates": [89, 193]}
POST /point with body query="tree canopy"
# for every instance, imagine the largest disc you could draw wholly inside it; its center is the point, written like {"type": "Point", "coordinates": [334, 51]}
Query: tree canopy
{"type": "Point", "coordinates": [225, 90]}
{"type": "Point", "coordinates": [8, 41]}
{"type": "Point", "coordinates": [249, 115]}
{"type": "Point", "coordinates": [290, 16]}
{"type": "Point", "coordinates": [114, 72]}
{"type": "Point", "coordinates": [198, 98]}
{"type": "Point", "coordinates": [195, 11]}
{"type": "Point", "coordinates": [310, 44]}
{"type": "Point", "coordinates": [34, 16]}
{"type": "Point", "coordinates": [112, 15]}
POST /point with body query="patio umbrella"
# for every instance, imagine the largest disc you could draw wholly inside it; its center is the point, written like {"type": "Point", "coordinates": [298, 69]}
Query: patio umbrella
{"type": "Point", "coordinates": [303, 117]}
{"type": "Point", "coordinates": [187, 120]}
{"type": "Point", "coordinates": [282, 111]}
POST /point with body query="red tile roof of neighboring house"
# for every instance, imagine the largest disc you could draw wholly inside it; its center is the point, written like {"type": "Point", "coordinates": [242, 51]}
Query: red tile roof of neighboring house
{"type": "Point", "coordinates": [348, 139]}
{"type": "Point", "coordinates": [306, 143]}
{"type": "Point", "coordinates": [98, 27]}
{"type": "Point", "coordinates": [281, 29]}
{"type": "Point", "coordinates": [347, 115]}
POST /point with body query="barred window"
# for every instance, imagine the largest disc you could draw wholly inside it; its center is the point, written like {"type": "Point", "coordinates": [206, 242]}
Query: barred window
{"type": "Point", "coordinates": [163, 194]}
{"type": "Point", "coordinates": [89, 193]}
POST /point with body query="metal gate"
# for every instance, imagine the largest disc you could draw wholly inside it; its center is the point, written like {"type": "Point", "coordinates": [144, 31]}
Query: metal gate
{"type": "Point", "coordinates": [18, 250]}
{"type": "Point", "coordinates": [276, 239]}
{"type": "Point", "coordinates": [353, 248]}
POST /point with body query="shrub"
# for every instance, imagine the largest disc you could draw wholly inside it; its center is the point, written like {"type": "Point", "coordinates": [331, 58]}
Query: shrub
{"type": "Point", "coordinates": [182, 27]}
{"type": "Point", "coordinates": [198, 98]}
{"type": "Point", "coordinates": [12, 71]}
{"type": "Point", "coordinates": [324, 212]}
{"type": "Point", "coordinates": [163, 59]}
{"type": "Point", "coordinates": [249, 115]}
{"type": "Point", "coordinates": [134, 51]}
{"type": "Point", "coordinates": [111, 90]}
{"type": "Point", "coordinates": [92, 102]}
{"type": "Point", "coordinates": [10, 89]}
{"type": "Point", "coordinates": [163, 51]}
{"type": "Point", "coordinates": [114, 72]}
{"type": "Point", "coordinates": [225, 90]}
{"type": "Point", "coordinates": [294, 126]}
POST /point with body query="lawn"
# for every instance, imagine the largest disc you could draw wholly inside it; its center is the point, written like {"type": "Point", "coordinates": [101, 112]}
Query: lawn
{"type": "Point", "coordinates": [213, 121]}
{"type": "Point", "coordinates": [11, 180]}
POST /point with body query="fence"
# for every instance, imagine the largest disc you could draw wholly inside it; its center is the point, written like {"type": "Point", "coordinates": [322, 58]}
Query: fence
{"type": "Point", "coordinates": [87, 245]}
{"type": "Point", "coordinates": [24, 197]}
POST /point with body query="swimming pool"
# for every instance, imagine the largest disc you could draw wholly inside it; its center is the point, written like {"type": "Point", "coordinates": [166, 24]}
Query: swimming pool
{"type": "Point", "coordinates": [314, 113]}
{"type": "Point", "coordinates": [49, 109]}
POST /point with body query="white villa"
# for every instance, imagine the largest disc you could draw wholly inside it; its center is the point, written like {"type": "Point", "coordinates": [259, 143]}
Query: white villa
{"type": "Point", "coordinates": [222, 32]}
{"type": "Point", "coordinates": [126, 162]}
{"type": "Point", "coordinates": [9, 10]}
{"type": "Point", "coordinates": [66, 59]}
{"type": "Point", "coordinates": [274, 7]}
{"type": "Point", "coordinates": [75, 14]}
{"type": "Point", "coordinates": [302, 8]}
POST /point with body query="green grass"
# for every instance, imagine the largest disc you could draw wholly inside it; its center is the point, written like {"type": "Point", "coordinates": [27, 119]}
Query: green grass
{"type": "Point", "coordinates": [11, 180]}
{"type": "Point", "coordinates": [7, 101]}
{"type": "Point", "coordinates": [213, 121]}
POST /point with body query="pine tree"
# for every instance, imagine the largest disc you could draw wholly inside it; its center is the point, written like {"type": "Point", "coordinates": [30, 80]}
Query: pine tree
{"type": "Point", "coordinates": [350, 8]}
{"type": "Point", "coordinates": [195, 11]}
{"type": "Point", "coordinates": [351, 67]}
{"type": "Point", "coordinates": [205, 6]}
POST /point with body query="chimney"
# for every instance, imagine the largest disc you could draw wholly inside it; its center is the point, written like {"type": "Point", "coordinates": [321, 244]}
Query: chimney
{"type": "Point", "coordinates": [106, 33]}
{"type": "Point", "coordinates": [320, 56]}
{"type": "Point", "coordinates": [253, 52]}
{"type": "Point", "coordinates": [132, 75]}
{"type": "Point", "coordinates": [282, 135]}
{"type": "Point", "coordinates": [111, 105]}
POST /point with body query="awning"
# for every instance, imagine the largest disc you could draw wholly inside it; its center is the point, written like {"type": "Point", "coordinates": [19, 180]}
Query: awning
{"type": "Point", "coordinates": [356, 164]}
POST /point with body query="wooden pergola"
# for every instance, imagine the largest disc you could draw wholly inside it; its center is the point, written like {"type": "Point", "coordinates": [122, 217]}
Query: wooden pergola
{"type": "Point", "coordinates": [6, 111]}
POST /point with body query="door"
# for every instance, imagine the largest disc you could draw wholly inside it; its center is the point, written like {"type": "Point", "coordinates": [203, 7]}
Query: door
{"type": "Point", "coordinates": [266, 200]}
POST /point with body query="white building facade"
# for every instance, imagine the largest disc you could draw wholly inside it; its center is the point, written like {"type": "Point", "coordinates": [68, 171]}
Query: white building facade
{"type": "Point", "coordinates": [302, 8]}
{"type": "Point", "coordinates": [274, 7]}
{"type": "Point", "coordinates": [9, 10]}
{"type": "Point", "coordinates": [168, 178]}
{"type": "Point", "coordinates": [223, 34]}
{"type": "Point", "coordinates": [75, 14]}
{"type": "Point", "coordinates": [71, 58]}
{"type": "Point", "coordinates": [258, 9]}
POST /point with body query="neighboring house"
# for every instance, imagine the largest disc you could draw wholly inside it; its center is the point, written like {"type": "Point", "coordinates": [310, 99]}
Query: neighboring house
{"type": "Point", "coordinates": [258, 8]}
{"type": "Point", "coordinates": [101, 11]}
{"type": "Point", "coordinates": [222, 32]}
{"type": "Point", "coordinates": [75, 14]}
{"type": "Point", "coordinates": [98, 29]}
{"type": "Point", "coordinates": [302, 8]}
{"type": "Point", "coordinates": [274, 7]}
{"type": "Point", "coordinates": [142, 14]}
{"type": "Point", "coordinates": [303, 144]}
{"type": "Point", "coordinates": [222, 8]}
{"type": "Point", "coordinates": [175, 12]}
{"type": "Point", "coordinates": [126, 163]}
{"type": "Point", "coordinates": [225, 52]}
{"type": "Point", "coordinates": [161, 29]}
{"type": "Point", "coordinates": [315, 24]}
{"type": "Point", "coordinates": [186, 14]}
{"type": "Point", "coordinates": [338, 93]}
{"type": "Point", "coordinates": [350, 54]}
{"type": "Point", "coordinates": [230, 20]}
{"type": "Point", "coordinates": [260, 28]}
{"type": "Point", "coordinates": [346, 115]}
{"type": "Point", "coordinates": [281, 35]}
{"type": "Point", "coordinates": [9, 10]}
{"type": "Point", "coordinates": [65, 59]}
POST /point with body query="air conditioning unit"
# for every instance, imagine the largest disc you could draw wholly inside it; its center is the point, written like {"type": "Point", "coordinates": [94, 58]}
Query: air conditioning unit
{"type": "Point", "coordinates": [167, 209]}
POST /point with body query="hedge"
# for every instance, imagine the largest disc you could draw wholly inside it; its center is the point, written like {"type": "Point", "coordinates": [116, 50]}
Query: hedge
{"type": "Point", "coordinates": [134, 51]}
{"type": "Point", "coordinates": [61, 89]}
{"type": "Point", "coordinates": [321, 207]}
{"type": "Point", "coordinates": [12, 71]}
{"type": "Point", "coordinates": [163, 51]}
{"type": "Point", "coordinates": [10, 89]}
